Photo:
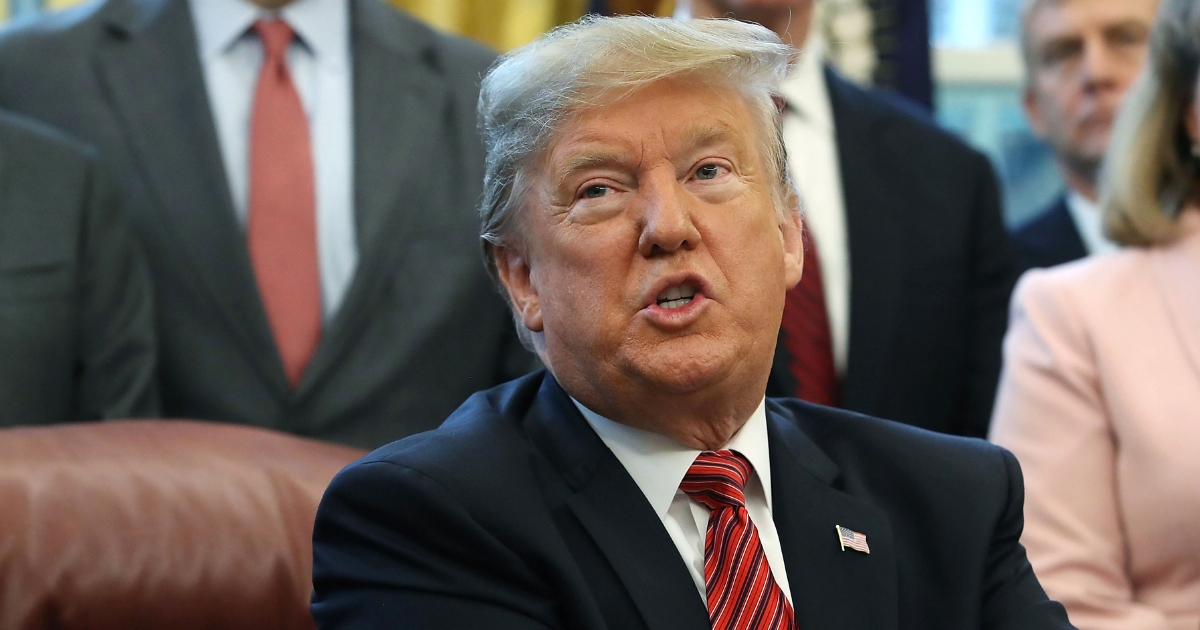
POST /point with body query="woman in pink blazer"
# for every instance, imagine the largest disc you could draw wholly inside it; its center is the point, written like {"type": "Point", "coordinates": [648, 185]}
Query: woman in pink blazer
{"type": "Point", "coordinates": [1100, 395]}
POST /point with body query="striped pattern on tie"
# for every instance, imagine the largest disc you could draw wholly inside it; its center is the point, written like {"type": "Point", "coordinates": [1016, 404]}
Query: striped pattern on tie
{"type": "Point", "coordinates": [742, 593]}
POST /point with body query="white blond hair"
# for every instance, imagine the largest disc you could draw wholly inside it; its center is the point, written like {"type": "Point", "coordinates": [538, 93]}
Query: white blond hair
{"type": "Point", "coordinates": [530, 91]}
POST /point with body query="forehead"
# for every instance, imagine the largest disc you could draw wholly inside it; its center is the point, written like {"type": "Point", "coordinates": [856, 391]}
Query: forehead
{"type": "Point", "coordinates": [1064, 18]}
{"type": "Point", "coordinates": [667, 116]}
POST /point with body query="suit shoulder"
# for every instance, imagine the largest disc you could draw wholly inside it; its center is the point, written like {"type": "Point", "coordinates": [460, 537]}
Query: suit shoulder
{"type": "Point", "coordinates": [1100, 284]}
{"type": "Point", "coordinates": [481, 439]}
{"type": "Point", "coordinates": [50, 29]}
{"type": "Point", "coordinates": [1049, 237]}
{"type": "Point", "coordinates": [453, 55]}
{"type": "Point", "coordinates": [899, 115]}
{"type": "Point", "coordinates": [872, 451]}
{"type": "Point", "coordinates": [1033, 227]}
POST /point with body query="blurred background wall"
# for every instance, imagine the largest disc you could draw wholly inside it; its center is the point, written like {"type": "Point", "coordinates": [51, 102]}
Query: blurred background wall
{"type": "Point", "coordinates": [958, 58]}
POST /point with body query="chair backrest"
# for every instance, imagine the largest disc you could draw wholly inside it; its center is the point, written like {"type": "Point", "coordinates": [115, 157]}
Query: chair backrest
{"type": "Point", "coordinates": [159, 524]}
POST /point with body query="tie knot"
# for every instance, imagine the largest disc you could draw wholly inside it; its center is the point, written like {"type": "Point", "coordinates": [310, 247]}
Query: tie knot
{"type": "Point", "coordinates": [276, 36]}
{"type": "Point", "coordinates": [718, 479]}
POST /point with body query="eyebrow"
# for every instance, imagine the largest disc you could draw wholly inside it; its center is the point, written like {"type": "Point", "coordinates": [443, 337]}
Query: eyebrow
{"type": "Point", "coordinates": [1127, 25]}
{"type": "Point", "coordinates": [591, 158]}
{"type": "Point", "coordinates": [708, 134]}
{"type": "Point", "coordinates": [697, 136]}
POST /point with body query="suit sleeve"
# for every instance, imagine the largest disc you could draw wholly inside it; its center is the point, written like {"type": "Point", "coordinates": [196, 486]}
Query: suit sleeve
{"type": "Point", "coordinates": [1013, 598]}
{"type": "Point", "coordinates": [1051, 414]}
{"type": "Point", "coordinates": [393, 549]}
{"type": "Point", "coordinates": [117, 342]}
{"type": "Point", "coordinates": [994, 270]}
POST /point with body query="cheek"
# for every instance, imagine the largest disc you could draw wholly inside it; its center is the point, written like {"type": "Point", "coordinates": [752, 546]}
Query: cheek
{"type": "Point", "coordinates": [583, 287]}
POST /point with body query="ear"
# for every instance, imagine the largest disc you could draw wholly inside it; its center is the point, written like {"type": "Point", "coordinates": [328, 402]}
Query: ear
{"type": "Point", "coordinates": [1033, 111]}
{"type": "Point", "coordinates": [792, 230]}
{"type": "Point", "coordinates": [516, 275]}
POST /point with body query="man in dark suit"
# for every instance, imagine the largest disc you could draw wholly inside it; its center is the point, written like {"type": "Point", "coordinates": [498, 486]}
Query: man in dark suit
{"type": "Point", "coordinates": [1080, 58]}
{"type": "Point", "coordinates": [76, 309]}
{"type": "Point", "coordinates": [304, 176]}
{"type": "Point", "coordinates": [644, 481]}
{"type": "Point", "coordinates": [915, 265]}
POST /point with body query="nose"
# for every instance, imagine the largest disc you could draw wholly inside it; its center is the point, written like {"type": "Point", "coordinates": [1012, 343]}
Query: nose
{"type": "Point", "coordinates": [1099, 64]}
{"type": "Point", "coordinates": [666, 220]}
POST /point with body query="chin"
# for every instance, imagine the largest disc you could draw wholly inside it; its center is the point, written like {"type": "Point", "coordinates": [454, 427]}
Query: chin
{"type": "Point", "coordinates": [686, 372]}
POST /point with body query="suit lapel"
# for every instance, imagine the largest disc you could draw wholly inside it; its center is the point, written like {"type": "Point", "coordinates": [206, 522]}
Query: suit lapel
{"type": "Point", "coordinates": [1175, 274]}
{"type": "Point", "coordinates": [400, 102]}
{"type": "Point", "coordinates": [615, 513]}
{"type": "Point", "coordinates": [149, 65]}
{"type": "Point", "coordinates": [877, 243]}
{"type": "Point", "coordinates": [831, 588]}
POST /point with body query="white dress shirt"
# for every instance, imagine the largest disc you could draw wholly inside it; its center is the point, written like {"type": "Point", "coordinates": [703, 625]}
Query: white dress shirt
{"type": "Point", "coordinates": [810, 136]}
{"type": "Point", "coordinates": [658, 464]}
{"type": "Point", "coordinates": [320, 63]}
{"type": "Point", "coordinates": [1089, 222]}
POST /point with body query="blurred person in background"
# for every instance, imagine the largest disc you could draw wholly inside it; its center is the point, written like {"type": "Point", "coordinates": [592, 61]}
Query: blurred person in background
{"type": "Point", "coordinates": [1080, 58]}
{"type": "Point", "coordinates": [1100, 398]}
{"type": "Point", "coordinates": [909, 270]}
{"type": "Point", "coordinates": [76, 308]}
{"type": "Point", "coordinates": [303, 175]}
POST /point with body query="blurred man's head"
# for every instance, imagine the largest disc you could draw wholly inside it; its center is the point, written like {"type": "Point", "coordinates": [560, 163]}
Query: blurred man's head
{"type": "Point", "coordinates": [790, 19]}
{"type": "Point", "coordinates": [1080, 57]}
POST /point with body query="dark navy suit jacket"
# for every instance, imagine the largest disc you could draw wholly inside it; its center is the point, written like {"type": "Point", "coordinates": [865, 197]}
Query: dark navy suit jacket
{"type": "Point", "coordinates": [1050, 238]}
{"type": "Point", "coordinates": [931, 268]}
{"type": "Point", "coordinates": [515, 515]}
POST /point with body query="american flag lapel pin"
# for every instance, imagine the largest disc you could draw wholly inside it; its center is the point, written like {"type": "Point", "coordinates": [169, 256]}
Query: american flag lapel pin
{"type": "Point", "coordinates": [852, 539]}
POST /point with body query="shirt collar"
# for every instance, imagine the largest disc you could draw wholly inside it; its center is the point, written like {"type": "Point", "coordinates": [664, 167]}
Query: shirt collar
{"type": "Point", "coordinates": [1089, 221]}
{"type": "Point", "coordinates": [323, 25]}
{"type": "Point", "coordinates": [805, 89]}
{"type": "Point", "coordinates": [658, 464]}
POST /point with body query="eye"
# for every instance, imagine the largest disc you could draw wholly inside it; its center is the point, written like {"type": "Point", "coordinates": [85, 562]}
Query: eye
{"type": "Point", "coordinates": [593, 192]}
{"type": "Point", "coordinates": [708, 171]}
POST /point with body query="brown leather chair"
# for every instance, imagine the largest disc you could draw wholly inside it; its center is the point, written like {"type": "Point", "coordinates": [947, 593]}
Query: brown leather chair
{"type": "Point", "coordinates": [159, 524]}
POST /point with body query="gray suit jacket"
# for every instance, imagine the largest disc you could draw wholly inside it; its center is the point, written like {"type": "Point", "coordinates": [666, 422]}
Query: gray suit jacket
{"type": "Point", "coordinates": [421, 326]}
{"type": "Point", "coordinates": [76, 310]}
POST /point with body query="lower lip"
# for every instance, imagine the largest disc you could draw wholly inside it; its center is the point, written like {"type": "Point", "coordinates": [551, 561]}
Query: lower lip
{"type": "Point", "coordinates": [676, 317]}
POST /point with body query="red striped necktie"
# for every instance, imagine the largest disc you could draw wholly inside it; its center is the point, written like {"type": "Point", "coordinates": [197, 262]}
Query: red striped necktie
{"type": "Point", "coordinates": [742, 593]}
{"type": "Point", "coordinates": [806, 334]}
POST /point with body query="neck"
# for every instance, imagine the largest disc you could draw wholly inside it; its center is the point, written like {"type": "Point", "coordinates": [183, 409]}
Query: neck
{"type": "Point", "coordinates": [1080, 180]}
{"type": "Point", "coordinates": [704, 419]}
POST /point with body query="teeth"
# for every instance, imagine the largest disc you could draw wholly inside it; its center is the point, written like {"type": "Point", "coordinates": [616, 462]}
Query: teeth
{"type": "Point", "coordinates": [682, 293]}
{"type": "Point", "coordinates": [669, 304]}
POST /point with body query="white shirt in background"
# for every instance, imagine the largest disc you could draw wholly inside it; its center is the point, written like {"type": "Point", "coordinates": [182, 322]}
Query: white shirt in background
{"type": "Point", "coordinates": [1089, 222]}
{"type": "Point", "coordinates": [811, 139]}
{"type": "Point", "coordinates": [658, 465]}
{"type": "Point", "coordinates": [319, 60]}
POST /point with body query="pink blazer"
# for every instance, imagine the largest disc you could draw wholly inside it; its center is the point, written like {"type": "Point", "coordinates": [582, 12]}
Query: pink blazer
{"type": "Point", "coordinates": [1100, 402]}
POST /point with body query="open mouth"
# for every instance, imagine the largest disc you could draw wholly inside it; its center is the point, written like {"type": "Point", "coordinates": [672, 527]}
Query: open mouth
{"type": "Point", "coordinates": [677, 296]}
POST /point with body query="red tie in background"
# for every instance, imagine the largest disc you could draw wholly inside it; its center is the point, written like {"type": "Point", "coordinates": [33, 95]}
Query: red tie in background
{"type": "Point", "coordinates": [742, 593]}
{"type": "Point", "coordinates": [806, 333]}
{"type": "Point", "coordinates": [282, 232]}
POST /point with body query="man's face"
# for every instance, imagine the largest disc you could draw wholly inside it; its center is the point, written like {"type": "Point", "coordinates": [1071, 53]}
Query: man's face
{"type": "Point", "coordinates": [1084, 54]}
{"type": "Point", "coordinates": [653, 259]}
